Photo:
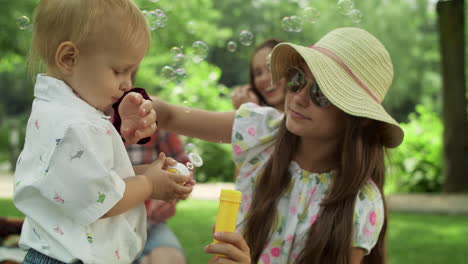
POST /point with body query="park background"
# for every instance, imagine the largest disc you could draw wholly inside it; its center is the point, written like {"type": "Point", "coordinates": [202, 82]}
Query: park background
{"type": "Point", "coordinates": [175, 69]}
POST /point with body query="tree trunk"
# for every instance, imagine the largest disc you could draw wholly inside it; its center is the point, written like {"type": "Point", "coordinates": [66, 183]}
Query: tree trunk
{"type": "Point", "coordinates": [452, 45]}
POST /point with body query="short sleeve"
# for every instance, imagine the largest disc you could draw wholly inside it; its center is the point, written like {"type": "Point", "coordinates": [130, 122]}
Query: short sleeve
{"type": "Point", "coordinates": [80, 182]}
{"type": "Point", "coordinates": [254, 126]}
{"type": "Point", "coordinates": [368, 217]}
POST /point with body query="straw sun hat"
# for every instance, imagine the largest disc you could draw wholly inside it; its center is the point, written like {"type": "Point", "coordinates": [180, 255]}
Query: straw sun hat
{"type": "Point", "coordinates": [353, 70]}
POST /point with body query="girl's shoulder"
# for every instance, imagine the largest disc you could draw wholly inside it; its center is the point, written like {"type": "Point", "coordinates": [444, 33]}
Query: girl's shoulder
{"type": "Point", "coordinates": [255, 128]}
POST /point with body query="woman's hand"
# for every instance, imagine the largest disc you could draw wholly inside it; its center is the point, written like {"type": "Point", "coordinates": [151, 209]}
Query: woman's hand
{"type": "Point", "coordinates": [234, 249]}
{"type": "Point", "coordinates": [138, 118]}
{"type": "Point", "coordinates": [243, 94]}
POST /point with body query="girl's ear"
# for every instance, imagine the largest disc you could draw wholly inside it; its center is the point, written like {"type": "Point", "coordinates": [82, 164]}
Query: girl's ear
{"type": "Point", "coordinates": [65, 57]}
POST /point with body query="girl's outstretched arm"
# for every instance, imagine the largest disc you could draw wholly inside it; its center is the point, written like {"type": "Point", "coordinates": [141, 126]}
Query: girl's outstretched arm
{"type": "Point", "coordinates": [206, 125]}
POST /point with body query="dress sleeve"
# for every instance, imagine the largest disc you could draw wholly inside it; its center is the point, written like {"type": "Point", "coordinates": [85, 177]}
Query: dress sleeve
{"type": "Point", "coordinates": [368, 217]}
{"type": "Point", "coordinates": [254, 126]}
{"type": "Point", "coordinates": [80, 182]}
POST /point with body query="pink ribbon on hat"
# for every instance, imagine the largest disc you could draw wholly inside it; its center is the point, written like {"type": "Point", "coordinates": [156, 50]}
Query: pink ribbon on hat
{"type": "Point", "coordinates": [343, 65]}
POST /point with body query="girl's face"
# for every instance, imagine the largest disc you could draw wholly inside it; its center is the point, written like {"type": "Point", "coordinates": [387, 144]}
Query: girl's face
{"type": "Point", "coordinates": [273, 94]}
{"type": "Point", "coordinates": [309, 114]}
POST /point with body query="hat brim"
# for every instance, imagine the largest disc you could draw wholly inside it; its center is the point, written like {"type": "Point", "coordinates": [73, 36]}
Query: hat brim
{"type": "Point", "coordinates": [338, 86]}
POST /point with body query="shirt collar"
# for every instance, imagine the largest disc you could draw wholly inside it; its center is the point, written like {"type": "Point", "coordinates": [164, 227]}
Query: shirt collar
{"type": "Point", "coordinates": [51, 89]}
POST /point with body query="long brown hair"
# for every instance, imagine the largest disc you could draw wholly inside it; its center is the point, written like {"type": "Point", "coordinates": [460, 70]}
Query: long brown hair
{"type": "Point", "coordinates": [329, 238]}
{"type": "Point", "coordinates": [271, 43]}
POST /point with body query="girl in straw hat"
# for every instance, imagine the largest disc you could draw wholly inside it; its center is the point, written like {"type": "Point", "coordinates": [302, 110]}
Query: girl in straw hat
{"type": "Point", "coordinates": [312, 179]}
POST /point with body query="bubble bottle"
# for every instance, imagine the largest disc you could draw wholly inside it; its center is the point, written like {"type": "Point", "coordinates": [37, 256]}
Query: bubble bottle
{"type": "Point", "coordinates": [229, 202]}
{"type": "Point", "coordinates": [195, 160]}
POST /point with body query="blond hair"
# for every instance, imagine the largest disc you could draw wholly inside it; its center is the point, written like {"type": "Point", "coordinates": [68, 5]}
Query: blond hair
{"type": "Point", "coordinates": [57, 21]}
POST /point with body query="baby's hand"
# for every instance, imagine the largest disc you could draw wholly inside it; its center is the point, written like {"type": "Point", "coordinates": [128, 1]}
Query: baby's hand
{"type": "Point", "coordinates": [138, 117]}
{"type": "Point", "coordinates": [167, 185]}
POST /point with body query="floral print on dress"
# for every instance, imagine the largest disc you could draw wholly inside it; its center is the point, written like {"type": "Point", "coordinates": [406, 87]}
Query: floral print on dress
{"type": "Point", "coordinates": [298, 207]}
{"type": "Point", "coordinates": [59, 199]}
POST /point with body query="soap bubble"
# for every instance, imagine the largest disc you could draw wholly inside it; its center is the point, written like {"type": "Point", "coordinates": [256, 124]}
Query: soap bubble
{"type": "Point", "coordinates": [355, 15]}
{"type": "Point", "coordinates": [192, 148]}
{"type": "Point", "coordinates": [292, 24]}
{"type": "Point", "coordinates": [192, 27]}
{"type": "Point", "coordinates": [23, 22]}
{"type": "Point", "coordinates": [176, 50]}
{"type": "Point", "coordinates": [157, 19]}
{"type": "Point", "coordinates": [286, 24]}
{"type": "Point", "coordinates": [345, 6]}
{"type": "Point", "coordinates": [179, 60]}
{"type": "Point", "coordinates": [310, 15]}
{"type": "Point", "coordinates": [180, 75]}
{"type": "Point", "coordinates": [246, 38]}
{"type": "Point", "coordinates": [168, 72]}
{"type": "Point", "coordinates": [200, 51]}
{"type": "Point", "coordinates": [231, 46]}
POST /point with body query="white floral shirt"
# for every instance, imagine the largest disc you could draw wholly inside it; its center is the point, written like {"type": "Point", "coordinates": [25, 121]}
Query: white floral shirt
{"type": "Point", "coordinates": [69, 174]}
{"type": "Point", "coordinates": [254, 133]}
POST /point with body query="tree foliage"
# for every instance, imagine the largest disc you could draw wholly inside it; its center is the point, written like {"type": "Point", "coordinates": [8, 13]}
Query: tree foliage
{"type": "Point", "coordinates": [406, 27]}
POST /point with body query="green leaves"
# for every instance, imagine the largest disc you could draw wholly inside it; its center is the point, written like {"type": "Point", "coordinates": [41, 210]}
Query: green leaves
{"type": "Point", "coordinates": [416, 165]}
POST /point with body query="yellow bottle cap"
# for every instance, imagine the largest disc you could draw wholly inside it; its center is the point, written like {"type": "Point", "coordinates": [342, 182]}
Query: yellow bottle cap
{"type": "Point", "coordinates": [230, 195]}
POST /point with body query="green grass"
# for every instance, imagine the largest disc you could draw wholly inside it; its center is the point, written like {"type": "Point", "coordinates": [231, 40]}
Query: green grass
{"type": "Point", "coordinates": [412, 238]}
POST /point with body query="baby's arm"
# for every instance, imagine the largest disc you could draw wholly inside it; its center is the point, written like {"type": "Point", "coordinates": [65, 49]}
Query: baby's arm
{"type": "Point", "coordinates": [210, 126]}
{"type": "Point", "coordinates": [137, 190]}
{"type": "Point", "coordinates": [152, 181]}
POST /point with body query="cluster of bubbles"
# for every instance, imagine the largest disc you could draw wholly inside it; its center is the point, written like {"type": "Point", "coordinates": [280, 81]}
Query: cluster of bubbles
{"type": "Point", "coordinates": [310, 15]}
{"type": "Point", "coordinates": [156, 18]}
{"type": "Point", "coordinates": [295, 23]}
{"type": "Point", "coordinates": [246, 38]}
{"type": "Point", "coordinates": [176, 71]}
{"type": "Point", "coordinates": [23, 23]}
{"type": "Point", "coordinates": [176, 75]}
{"type": "Point", "coordinates": [346, 7]}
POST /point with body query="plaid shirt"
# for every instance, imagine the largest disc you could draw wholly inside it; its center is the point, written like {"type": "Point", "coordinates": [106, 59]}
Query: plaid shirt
{"type": "Point", "coordinates": [160, 141]}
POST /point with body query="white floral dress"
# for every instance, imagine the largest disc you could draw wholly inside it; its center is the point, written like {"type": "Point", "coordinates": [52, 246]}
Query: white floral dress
{"type": "Point", "coordinates": [253, 138]}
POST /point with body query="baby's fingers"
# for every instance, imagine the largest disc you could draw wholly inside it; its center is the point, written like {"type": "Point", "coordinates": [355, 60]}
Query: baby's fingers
{"type": "Point", "coordinates": [146, 107]}
{"type": "Point", "coordinates": [182, 192]}
{"type": "Point", "coordinates": [146, 132]}
{"type": "Point", "coordinates": [179, 178]}
{"type": "Point", "coordinates": [134, 97]}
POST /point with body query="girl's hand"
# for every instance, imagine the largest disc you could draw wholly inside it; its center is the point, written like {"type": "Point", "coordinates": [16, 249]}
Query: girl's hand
{"type": "Point", "coordinates": [243, 94]}
{"type": "Point", "coordinates": [234, 249]}
{"type": "Point", "coordinates": [138, 118]}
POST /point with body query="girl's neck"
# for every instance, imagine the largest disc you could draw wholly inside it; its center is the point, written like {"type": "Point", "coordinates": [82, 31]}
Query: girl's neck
{"type": "Point", "coordinates": [317, 155]}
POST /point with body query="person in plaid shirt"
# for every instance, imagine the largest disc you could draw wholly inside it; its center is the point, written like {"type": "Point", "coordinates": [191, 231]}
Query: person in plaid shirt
{"type": "Point", "coordinates": [162, 246]}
